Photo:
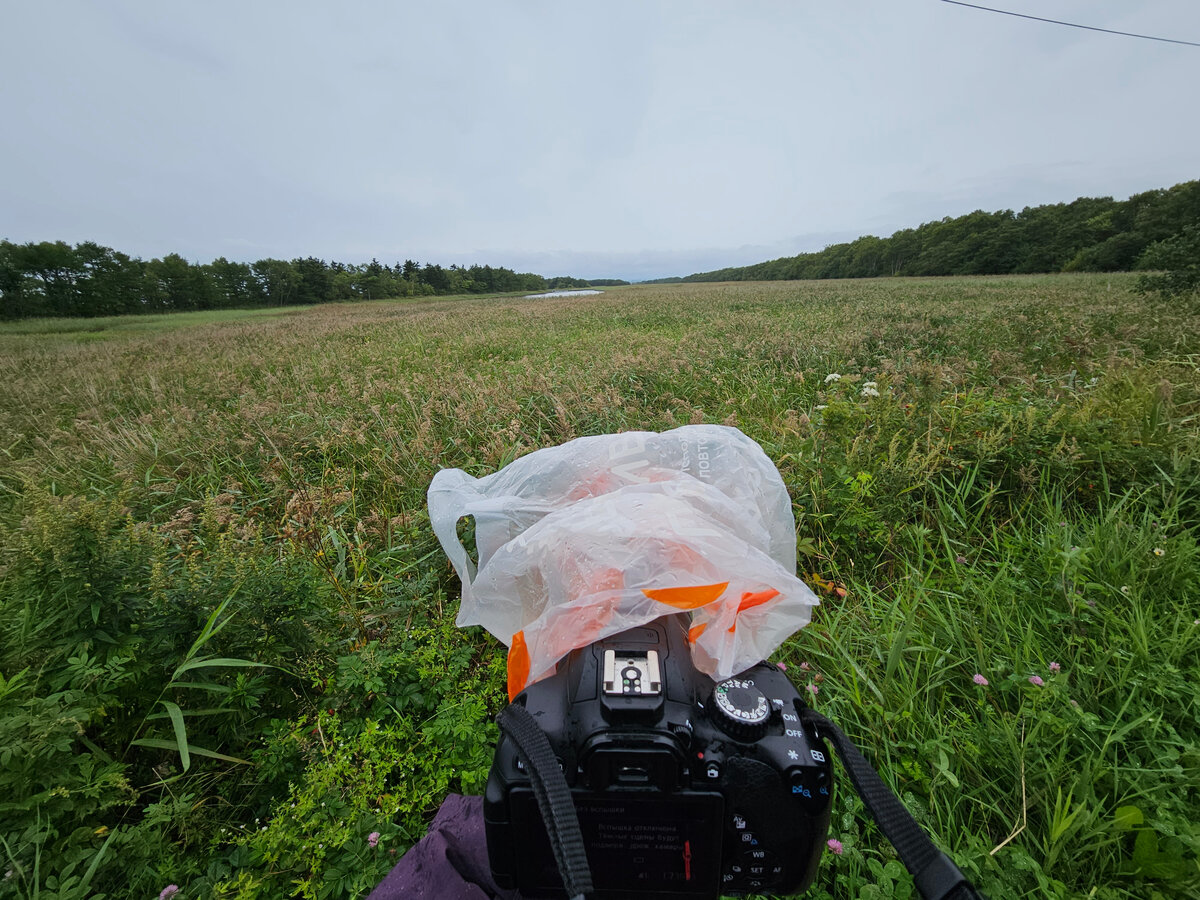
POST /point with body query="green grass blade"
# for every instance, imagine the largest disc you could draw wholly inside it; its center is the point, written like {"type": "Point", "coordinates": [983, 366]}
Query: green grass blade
{"type": "Point", "coordinates": [95, 863]}
{"type": "Point", "coordinates": [213, 711]}
{"type": "Point", "coordinates": [176, 715]}
{"type": "Point", "coordinates": [159, 744]}
{"type": "Point", "coordinates": [220, 662]}
{"type": "Point", "coordinates": [203, 686]}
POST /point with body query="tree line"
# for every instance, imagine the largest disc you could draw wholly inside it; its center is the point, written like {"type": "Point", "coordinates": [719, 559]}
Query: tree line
{"type": "Point", "coordinates": [1091, 234]}
{"type": "Point", "coordinates": [53, 278]}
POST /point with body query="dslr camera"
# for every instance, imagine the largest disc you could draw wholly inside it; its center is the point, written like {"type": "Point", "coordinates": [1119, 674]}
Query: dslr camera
{"type": "Point", "coordinates": [684, 787]}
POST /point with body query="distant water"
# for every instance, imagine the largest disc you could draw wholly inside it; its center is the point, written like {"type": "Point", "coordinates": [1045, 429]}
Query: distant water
{"type": "Point", "coordinates": [562, 294]}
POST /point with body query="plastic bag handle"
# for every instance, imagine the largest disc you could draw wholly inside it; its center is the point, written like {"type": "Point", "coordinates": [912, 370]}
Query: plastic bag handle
{"type": "Point", "coordinates": [446, 507]}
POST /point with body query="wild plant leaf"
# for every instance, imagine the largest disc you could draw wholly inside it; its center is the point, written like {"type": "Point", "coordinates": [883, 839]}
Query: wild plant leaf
{"type": "Point", "coordinates": [95, 863]}
{"type": "Point", "coordinates": [176, 715]}
{"type": "Point", "coordinates": [203, 686]}
{"type": "Point", "coordinates": [99, 751]}
{"type": "Point", "coordinates": [220, 662]}
{"type": "Point", "coordinates": [1128, 817]}
{"type": "Point", "coordinates": [159, 744]}
{"type": "Point", "coordinates": [211, 627]}
{"type": "Point", "coordinates": [214, 711]}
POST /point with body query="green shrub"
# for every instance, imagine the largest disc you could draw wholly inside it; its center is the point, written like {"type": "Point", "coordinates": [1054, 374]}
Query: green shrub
{"type": "Point", "coordinates": [135, 683]}
{"type": "Point", "coordinates": [404, 723]}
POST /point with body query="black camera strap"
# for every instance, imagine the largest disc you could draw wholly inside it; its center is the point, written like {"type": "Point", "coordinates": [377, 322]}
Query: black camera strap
{"type": "Point", "coordinates": [553, 797]}
{"type": "Point", "coordinates": [935, 874]}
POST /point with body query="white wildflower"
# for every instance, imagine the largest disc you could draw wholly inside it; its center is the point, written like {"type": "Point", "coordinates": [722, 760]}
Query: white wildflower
{"type": "Point", "coordinates": [869, 391]}
{"type": "Point", "coordinates": [869, 384]}
{"type": "Point", "coordinates": [832, 376]}
{"type": "Point", "coordinates": [822, 406]}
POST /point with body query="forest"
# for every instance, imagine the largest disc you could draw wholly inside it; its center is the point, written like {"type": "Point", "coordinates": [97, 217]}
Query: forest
{"type": "Point", "coordinates": [1090, 234]}
{"type": "Point", "coordinates": [53, 278]}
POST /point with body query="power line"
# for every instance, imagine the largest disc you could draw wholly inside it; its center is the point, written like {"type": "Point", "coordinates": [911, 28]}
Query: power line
{"type": "Point", "coordinates": [1006, 12]}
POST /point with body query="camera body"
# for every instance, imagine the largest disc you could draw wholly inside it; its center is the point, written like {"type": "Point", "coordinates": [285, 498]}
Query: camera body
{"type": "Point", "coordinates": [684, 787]}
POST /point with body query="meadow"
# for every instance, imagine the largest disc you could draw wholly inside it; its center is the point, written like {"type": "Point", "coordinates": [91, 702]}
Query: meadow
{"type": "Point", "coordinates": [227, 653]}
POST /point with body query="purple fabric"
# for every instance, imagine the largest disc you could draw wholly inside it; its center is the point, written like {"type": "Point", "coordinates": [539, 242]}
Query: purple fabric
{"type": "Point", "coordinates": [449, 863]}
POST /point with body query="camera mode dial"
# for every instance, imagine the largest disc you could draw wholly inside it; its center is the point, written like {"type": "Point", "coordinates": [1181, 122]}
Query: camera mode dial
{"type": "Point", "coordinates": [740, 709]}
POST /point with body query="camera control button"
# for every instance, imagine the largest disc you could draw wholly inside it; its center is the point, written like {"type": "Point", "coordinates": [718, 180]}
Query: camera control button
{"type": "Point", "coordinates": [712, 771]}
{"type": "Point", "coordinates": [741, 710]}
{"type": "Point", "coordinates": [761, 864]}
{"type": "Point", "coordinates": [683, 733]}
{"type": "Point", "coordinates": [810, 786]}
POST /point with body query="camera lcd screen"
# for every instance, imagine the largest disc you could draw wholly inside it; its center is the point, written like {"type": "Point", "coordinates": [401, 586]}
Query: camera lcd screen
{"type": "Point", "coordinates": [653, 843]}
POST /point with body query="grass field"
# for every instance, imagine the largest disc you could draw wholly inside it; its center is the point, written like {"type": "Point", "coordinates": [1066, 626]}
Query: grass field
{"type": "Point", "coordinates": [227, 652]}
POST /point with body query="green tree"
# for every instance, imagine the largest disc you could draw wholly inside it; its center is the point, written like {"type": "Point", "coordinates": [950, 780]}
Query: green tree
{"type": "Point", "coordinates": [16, 299]}
{"type": "Point", "coordinates": [52, 272]}
{"type": "Point", "coordinates": [1179, 259]}
{"type": "Point", "coordinates": [436, 277]}
{"type": "Point", "coordinates": [314, 280]}
{"type": "Point", "coordinates": [234, 284]}
{"type": "Point", "coordinates": [277, 281]}
{"type": "Point", "coordinates": [375, 281]}
{"type": "Point", "coordinates": [178, 285]}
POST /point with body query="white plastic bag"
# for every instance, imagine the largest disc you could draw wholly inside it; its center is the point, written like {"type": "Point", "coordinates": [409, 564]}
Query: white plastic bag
{"type": "Point", "coordinates": [601, 534]}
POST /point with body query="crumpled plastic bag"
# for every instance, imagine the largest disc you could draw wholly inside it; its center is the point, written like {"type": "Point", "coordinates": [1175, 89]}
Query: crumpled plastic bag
{"type": "Point", "coordinates": [601, 534]}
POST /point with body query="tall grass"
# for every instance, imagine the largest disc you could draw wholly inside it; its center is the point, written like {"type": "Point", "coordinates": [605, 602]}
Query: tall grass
{"type": "Point", "coordinates": [1017, 487]}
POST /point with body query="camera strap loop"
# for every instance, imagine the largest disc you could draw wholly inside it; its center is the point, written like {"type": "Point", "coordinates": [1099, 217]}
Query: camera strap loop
{"type": "Point", "coordinates": [553, 797]}
{"type": "Point", "coordinates": [935, 874]}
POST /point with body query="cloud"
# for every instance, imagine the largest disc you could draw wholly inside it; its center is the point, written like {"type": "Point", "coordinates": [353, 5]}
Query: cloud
{"type": "Point", "coordinates": [624, 141]}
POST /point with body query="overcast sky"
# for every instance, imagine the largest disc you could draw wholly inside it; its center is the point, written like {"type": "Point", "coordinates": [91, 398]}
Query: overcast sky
{"type": "Point", "coordinates": [628, 139]}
